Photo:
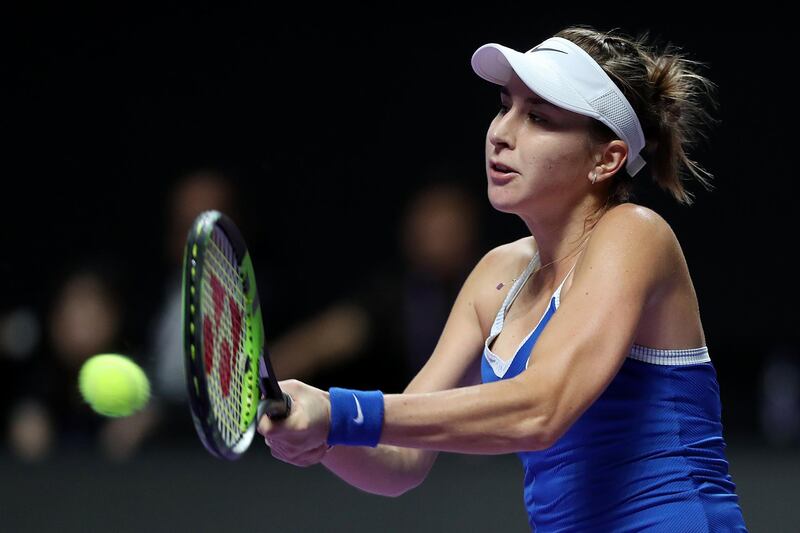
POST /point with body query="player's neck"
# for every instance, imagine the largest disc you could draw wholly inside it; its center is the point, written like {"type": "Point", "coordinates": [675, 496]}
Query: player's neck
{"type": "Point", "coordinates": [561, 232]}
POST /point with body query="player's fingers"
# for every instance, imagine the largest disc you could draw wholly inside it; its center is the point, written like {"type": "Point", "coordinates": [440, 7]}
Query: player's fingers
{"type": "Point", "coordinates": [275, 439]}
{"type": "Point", "coordinates": [292, 433]}
{"type": "Point", "coordinates": [264, 425]}
{"type": "Point", "coordinates": [277, 450]}
{"type": "Point", "coordinates": [307, 458]}
{"type": "Point", "coordinates": [280, 449]}
{"type": "Point", "coordinates": [267, 426]}
{"type": "Point", "coordinates": [290, 384]}
{"type": "Point", "coordinates": [293, 429]}
{"type": "Point", "coordinates": [281, 453]}
{"type": "Point", "coordinates": [300, 454]}
{"type": "Point", "coordinates": [289, 447]}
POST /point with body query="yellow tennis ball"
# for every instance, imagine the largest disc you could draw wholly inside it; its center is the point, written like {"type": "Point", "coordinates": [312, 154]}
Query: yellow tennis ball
{"type": "Point", "coordinates": [113, 385]}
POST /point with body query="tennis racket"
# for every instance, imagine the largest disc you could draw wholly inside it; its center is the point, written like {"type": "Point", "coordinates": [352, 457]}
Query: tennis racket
{"type": "Point", "coordinates": [228, 369]}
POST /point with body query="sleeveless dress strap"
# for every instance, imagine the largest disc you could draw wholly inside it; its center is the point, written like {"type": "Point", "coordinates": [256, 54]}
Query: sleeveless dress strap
{"type": "Point", "coordinates": [497, 326]}
{"type": "Point", "coordinates": [557, 294]}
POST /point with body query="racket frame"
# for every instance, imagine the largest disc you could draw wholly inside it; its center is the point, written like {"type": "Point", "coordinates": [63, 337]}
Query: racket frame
{"type": "Point", "coordinates": [275, 403]}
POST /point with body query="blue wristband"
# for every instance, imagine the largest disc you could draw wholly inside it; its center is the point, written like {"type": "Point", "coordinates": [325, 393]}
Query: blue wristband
{"type": "Point", "coordinates": [356, 417]}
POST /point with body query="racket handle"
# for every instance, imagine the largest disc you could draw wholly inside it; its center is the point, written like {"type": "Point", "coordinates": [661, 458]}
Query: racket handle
{"type": "Point", "coordinates": [275, 409]}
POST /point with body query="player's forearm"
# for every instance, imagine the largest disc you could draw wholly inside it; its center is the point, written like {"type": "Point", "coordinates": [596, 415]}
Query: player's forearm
{"type": "Point", "coordinates": [384, 470]}
{"type": "Point", "coordinates": [494, 418]}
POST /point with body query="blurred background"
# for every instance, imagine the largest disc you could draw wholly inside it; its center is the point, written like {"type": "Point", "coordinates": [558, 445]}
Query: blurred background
{"type": "Point", "coordinates": [351, 153]}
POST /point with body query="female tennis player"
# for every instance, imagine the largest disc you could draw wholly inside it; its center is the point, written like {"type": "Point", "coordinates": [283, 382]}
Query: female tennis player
{"type": "Point", "coordinates": [579, 347]}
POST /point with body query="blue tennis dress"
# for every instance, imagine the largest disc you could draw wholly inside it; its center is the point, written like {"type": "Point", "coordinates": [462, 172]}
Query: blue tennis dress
{"type": "Point", "coordinates": [648, 455]}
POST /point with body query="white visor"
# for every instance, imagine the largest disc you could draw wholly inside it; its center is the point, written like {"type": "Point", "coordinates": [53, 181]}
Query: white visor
{"type": "Point", "coordinates": [562, 73]}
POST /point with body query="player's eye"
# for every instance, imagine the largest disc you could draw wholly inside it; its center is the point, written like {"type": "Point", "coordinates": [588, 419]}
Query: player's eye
{"type": "Point", "coordinates": [536, 118]}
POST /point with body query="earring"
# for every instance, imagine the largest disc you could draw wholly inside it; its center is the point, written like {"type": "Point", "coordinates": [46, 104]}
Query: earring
{"type": "Point", "coordinates": [594, 176]}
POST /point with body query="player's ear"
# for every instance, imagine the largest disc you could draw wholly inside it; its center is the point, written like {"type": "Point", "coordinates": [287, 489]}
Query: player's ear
{"type": "Point", "coordinates": [609, 159]}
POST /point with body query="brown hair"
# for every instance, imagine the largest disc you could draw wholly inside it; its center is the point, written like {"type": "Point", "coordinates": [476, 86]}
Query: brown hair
{"type": "Point", "coordinates": [670, 98]}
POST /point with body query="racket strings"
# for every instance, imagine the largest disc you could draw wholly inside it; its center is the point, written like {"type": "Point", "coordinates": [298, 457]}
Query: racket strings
{"type": "Point", "coordinates": [224, 305]}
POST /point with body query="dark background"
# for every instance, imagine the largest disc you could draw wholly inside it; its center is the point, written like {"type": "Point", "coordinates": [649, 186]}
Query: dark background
{"type": "Point", "coordinates": [329, 125]}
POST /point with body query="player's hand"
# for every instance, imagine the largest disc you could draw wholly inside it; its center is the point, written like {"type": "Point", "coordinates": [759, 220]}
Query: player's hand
{"type": "Point", "coordinates": [301, 439]}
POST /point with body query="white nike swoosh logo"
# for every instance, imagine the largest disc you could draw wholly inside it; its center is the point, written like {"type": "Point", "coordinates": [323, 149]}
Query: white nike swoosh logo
{"type": "Point", "coordinates": [359, 419]}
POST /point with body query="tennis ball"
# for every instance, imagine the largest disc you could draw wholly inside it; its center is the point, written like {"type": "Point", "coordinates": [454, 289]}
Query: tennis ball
{"type": "Point", "coordinates": [113, 385]}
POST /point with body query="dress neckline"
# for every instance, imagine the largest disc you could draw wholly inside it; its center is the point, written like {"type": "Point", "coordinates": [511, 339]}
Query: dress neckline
{"type": "Point", "coordinates": [516, 288]}
{"type": "Point", "coordinates": [638, 351]}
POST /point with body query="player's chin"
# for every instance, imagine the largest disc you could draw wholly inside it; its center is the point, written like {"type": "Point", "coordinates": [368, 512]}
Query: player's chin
{"type": "Point", "coordinates": [503, 199]}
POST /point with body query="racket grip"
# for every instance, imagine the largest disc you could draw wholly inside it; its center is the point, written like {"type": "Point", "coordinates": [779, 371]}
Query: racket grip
{"type": "Point", "coordinates": [275, 409]}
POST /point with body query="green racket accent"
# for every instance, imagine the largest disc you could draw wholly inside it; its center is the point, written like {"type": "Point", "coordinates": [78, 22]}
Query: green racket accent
{"type": "Point", "coordinates": [253, 332]}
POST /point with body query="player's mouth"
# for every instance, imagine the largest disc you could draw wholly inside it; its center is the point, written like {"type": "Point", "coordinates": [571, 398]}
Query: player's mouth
{"type": "Point", "coordinates": [500, 173]}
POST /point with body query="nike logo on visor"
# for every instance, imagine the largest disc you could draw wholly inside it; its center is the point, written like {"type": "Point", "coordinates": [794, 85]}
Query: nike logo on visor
{"type": "Point", "coordinates": [547, 50]}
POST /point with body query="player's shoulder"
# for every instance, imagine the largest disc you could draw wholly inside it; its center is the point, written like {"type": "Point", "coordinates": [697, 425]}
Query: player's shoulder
{"type": "Point", "coordinates": [627, 222]}
{"type": "Point", "coordinates": [494, 275]}
{"type": "Point", "coordinates": [636, 240]}
{"type": "Point", "coordinates": [632, 214]}
{"type": "Point", "coordinates": [511, 257]}
{"type": "Point", "coordinates": [630, 223]}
